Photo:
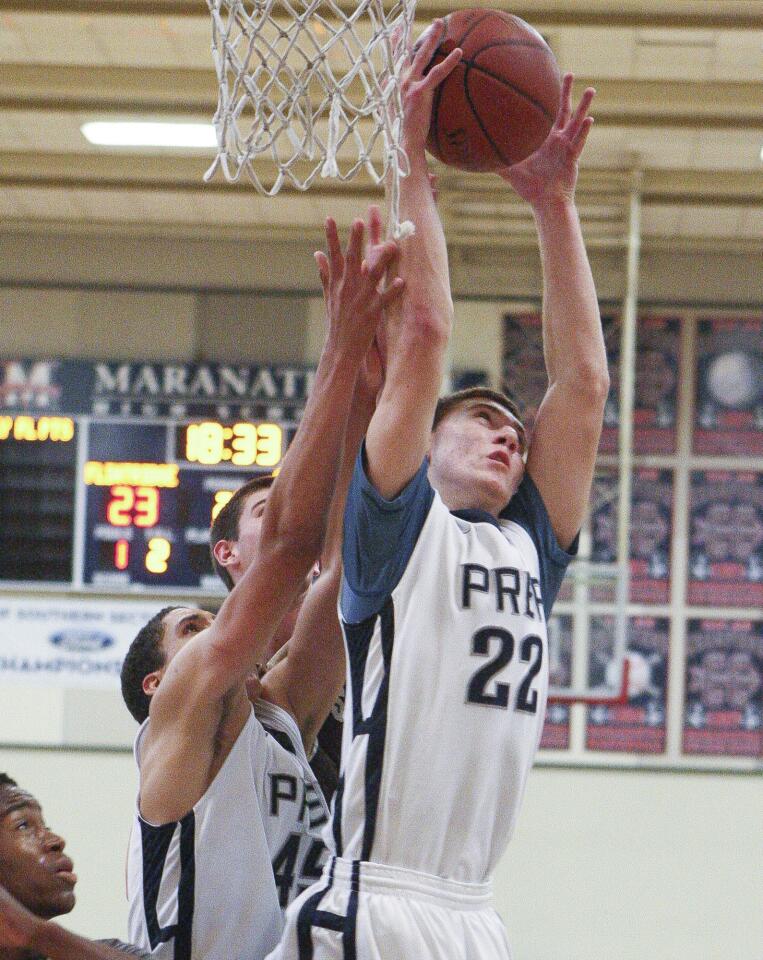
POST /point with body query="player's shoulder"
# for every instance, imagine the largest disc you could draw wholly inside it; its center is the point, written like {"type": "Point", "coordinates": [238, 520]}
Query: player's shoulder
{"type": "Point", "coordinates": [280, 726]}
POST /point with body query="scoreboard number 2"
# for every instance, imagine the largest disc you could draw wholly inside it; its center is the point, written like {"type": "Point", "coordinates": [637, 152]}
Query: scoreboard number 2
{"type": "Point", "coordinates": [159, 550]}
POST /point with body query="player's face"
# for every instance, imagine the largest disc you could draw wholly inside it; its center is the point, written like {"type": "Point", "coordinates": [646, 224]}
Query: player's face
{"type": "Point", "coordinates": [180, 626]}
{"type": "Point", "coordinates": [33, 866]}
{"type": "Point", "coordinates": [244, 548]}
{"type": "Point", "coordinates": [476, 456]}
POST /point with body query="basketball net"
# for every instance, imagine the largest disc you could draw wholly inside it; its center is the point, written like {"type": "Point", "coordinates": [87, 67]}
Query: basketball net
{"type": "Point", "coordinates": [307, 89]}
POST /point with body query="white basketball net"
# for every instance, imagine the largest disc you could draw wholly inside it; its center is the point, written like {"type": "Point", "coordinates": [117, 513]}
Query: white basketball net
{"type": "Point", "coordinates": [307, 89]}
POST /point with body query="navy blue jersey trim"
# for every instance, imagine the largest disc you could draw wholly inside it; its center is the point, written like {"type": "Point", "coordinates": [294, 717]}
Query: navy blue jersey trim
{"type": "Point", "coordinates": [349, 937]}
{"type": "Point", "coordinates": [359, 638]}
{"type": "Point", "coordinates": [280, 736]}
{"type": "Point", "coordinates": [336, 826]}
{"type": "Point", "coordinates": [477, 516]}
{"type": "Point", "coordinates": [155, 842]}
{"type": "Point", "coordinates": [527, 509]}
{"type": "Point", "coordinates": [311, 917]}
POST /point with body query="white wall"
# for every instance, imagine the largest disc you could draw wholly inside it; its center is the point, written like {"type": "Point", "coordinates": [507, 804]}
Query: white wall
{"type": "Point", "coordinates": [605, 865]}
{"type": "Point", "coordinates": [636, 865]}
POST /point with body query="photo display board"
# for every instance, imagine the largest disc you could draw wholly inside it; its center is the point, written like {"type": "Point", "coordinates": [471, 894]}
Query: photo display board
{"type": "Point", "coordinates": [696, 543]}
{"type": "Point", "coordinates": [729, 402]}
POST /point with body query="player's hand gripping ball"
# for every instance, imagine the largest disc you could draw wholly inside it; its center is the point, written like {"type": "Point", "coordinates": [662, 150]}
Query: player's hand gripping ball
{"type": "Point", "coordinates": [499, 103]}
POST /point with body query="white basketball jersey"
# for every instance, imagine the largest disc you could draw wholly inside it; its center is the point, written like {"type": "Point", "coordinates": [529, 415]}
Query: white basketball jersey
{"type": "Point", "coordinates": [214, 885]}
{"type": "Point", "coordinates": [447, 689]}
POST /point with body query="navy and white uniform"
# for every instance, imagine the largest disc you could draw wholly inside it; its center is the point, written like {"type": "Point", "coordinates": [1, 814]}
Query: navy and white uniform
{"type": "Point", "coordinates": [444, 616]}
{"type": "Point", "coordinates": [214, 885]}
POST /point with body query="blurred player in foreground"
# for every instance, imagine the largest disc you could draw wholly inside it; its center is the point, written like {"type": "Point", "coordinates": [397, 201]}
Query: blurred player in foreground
{"type": "Point", "coordinates": [37, 882]}
{"type": "Point", "coordinates": [454, 551]}
{"type": "Point", "coordinates": [226, 830]}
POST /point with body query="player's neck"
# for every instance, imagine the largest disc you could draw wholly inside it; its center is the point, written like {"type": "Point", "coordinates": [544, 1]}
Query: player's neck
{"type": "Point", "coordinates": [456, 498]}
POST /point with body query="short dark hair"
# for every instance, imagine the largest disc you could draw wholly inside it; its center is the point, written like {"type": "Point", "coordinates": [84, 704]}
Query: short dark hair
{"type": "Point", "coordinates": [448, 403]}
{"type": "Point", "coordinates": [225, 524]}
{"type": "Point", "coordinates": [144, 656]}
{"type": "Point", "coordinates": [6, 781]}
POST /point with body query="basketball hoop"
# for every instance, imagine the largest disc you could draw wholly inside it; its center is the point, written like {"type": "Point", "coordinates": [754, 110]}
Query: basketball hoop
{"type": "Point", "coordinates": [307, 89]}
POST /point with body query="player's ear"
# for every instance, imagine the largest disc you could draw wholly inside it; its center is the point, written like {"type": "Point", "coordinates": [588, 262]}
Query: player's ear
{"type": "Point", "coordinates": [225, 552]}
{"type": "Point", "coordinates": [151, 682]}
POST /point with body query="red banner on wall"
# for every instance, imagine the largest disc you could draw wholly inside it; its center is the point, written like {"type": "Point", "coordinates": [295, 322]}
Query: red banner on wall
{"type": "Point", "coordinates": [723, 712]}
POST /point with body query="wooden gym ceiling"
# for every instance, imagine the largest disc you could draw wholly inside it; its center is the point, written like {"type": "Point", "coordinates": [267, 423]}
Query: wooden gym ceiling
{"type": "Point", "coordinates": [680, 102]}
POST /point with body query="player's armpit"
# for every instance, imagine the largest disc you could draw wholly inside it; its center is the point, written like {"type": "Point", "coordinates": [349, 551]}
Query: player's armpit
{"type": "Point", "coordinates": [309, 679]}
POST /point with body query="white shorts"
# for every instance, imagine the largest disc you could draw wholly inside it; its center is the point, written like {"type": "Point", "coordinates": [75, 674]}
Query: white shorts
{"type": "Point", "coordinates": [369, 911]}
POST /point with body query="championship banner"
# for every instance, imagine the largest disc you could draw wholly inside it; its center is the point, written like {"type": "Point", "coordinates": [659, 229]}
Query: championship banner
{"type": "Point", "coordinates": [639, 725]}
{"type": "Point", "coordinates": [68, 643]}
{"type": "Point", "coordinates": [651, 524]}
{"type": "Point", "coordinates": [723, 710]}
{"type": "Point", "coordinates": [655, 400]}
{"type": "Point", "coordinates": [726, 538]}
{"type": "Point", "coordinates": [556, 731]}
{"type": "Point", "coordinates": [729, 402]}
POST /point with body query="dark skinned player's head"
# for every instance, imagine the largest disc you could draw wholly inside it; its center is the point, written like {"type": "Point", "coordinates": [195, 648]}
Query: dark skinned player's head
{"type": "Point", "coordinates": [33, 866]}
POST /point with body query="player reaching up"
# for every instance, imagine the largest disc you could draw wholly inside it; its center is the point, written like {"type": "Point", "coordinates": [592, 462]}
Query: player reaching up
{"type": "Point", "coordinates": [232, 552]}
{"type": "Point", "coordinates": [226, 827]}
{"type": "Point", "coordinates": [454, 551]}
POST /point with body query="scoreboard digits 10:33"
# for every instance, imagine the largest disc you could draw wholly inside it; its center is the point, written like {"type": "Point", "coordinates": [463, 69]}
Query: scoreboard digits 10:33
{"type": "Point", "coordinates": [108, 484]}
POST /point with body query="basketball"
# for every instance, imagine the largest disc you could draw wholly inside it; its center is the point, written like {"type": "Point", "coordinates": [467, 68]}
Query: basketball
{"type": "Point", "coordinates": [499, 103]}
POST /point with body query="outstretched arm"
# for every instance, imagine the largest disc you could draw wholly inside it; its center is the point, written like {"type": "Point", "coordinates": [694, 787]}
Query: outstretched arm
{"type": "Point", "coordinates": [28, 934]}
{"type": "Point", "coordinates": [309, 679]}
{"type": "Point", "coordinates": [418, 326]}
{"type": "Point", "coordinates": [566, 434]}
{"type": "Point", "coordinates": [188, 703]}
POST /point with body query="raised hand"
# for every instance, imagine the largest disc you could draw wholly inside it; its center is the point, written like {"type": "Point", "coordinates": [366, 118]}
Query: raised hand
{"type": "Point", "coordinates": [417, 88]}
{"type": "Point", "coordinates": [352, 283]}
{"type": "Point", "coordinates": [550, 174]}
{"type": "Point", "coordinates": [371, 375]}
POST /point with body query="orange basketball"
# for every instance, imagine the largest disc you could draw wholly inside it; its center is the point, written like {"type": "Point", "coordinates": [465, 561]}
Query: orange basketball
{"type": "Point", "coordinates": [499, 103]}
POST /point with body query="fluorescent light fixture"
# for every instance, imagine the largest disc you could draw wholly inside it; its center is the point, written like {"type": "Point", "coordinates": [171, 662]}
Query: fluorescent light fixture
{"type": "Point", "coordinates": [142, 134]}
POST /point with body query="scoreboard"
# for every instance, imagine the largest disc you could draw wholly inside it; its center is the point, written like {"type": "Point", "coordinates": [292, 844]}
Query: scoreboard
{"type": "Point", "coordinates": [110, 474]}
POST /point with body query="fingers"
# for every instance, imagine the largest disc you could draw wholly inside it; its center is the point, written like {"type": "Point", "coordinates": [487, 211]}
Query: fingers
{"type": "Point", "coordinates": [395, 38]}
{"type": "Point", "coordinates": [392, 293]}
{"type": "Point", "coordinates": [565, 102]}
{"type": "Point", "coordinates": [375, 228]}
{"type": "Point", "coordinates": [354, 250]}
{"type": "Point", "coordinates": [582, 135]}
{"type": "Point", "coordinates": [437, 74]}
{"type": "Point", "coordinates": [580, 113]}
{"type": "Point", "coordinates": [335, 258]}
{"type": "Point", "coordinates": [379, 260]}
{"type": "Point", "coordinates": [322, 263]}
{"type": "Point", "coordinates": [425, 47]}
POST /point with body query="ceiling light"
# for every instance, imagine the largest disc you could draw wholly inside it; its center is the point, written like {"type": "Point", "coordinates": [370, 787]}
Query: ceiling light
{"type": "Point", "coordinates": [141, 134]}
